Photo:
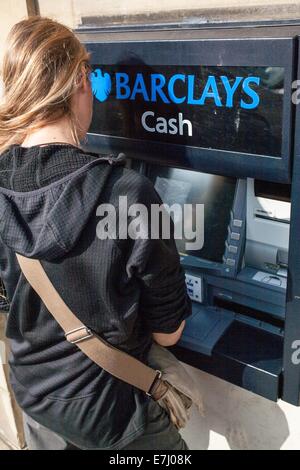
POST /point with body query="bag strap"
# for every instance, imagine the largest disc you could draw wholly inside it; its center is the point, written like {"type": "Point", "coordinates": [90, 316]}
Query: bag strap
{"type": "Point", "coordinates": [116, 362]}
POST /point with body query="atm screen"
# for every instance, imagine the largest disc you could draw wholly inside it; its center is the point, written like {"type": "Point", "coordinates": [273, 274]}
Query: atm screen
{"type": "Point", "coordinates": [216, 193]}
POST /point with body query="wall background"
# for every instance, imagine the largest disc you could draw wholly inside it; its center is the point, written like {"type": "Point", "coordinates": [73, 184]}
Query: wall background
{"type": "Point", "coordinates": [234, 418]}
{"type": "Point", "coordinates": [10, 13]}
{"type": "Point", "coordinates": [77, 12]}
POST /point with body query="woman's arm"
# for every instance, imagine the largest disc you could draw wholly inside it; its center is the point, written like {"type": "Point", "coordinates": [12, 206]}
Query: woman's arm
{"type": "Point", "coordinates": [169, 339]}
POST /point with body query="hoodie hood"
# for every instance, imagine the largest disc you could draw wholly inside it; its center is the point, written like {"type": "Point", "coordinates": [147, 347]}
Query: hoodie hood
{"type": "Point", "coordinates": [47, 195]}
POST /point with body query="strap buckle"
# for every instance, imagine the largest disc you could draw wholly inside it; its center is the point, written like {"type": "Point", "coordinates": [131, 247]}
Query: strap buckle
{"type": "Point", "coordinates": [87, 333]}
{"type": "Point", "coordinates": [158, 377]}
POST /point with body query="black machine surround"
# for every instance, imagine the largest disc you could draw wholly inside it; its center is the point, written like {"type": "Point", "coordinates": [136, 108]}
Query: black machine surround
{"type": "Point", "coordinates": [221, 87]}
{"type": "Point", "coordinates": [207, 115]}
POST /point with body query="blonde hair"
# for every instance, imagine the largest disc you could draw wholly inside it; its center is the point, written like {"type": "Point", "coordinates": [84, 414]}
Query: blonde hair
{"type": "Point", "coordinates": [42, 66]}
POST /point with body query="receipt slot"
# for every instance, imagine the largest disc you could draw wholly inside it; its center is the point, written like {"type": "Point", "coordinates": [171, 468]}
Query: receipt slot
{"type": "Point", "coordinates": [207, 115]}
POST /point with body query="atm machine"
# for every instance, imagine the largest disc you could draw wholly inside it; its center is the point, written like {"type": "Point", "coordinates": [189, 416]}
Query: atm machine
{"type": "Point", "coordinates": [209, 115]}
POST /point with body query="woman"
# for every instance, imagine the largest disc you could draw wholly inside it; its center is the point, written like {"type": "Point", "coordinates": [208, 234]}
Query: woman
{"type": "Point", "coordinates": [130, 292]}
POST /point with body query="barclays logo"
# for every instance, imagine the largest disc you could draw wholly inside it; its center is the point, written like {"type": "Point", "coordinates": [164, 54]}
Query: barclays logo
{"type": "Point", "coordinates": [221, 90]}
{"type": "Point", "coordinates": [156, 87]}
{"type": "Point", "coordinates": [101, 84]}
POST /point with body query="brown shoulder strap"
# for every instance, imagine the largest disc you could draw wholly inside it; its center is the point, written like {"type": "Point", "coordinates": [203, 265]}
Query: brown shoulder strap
{"type": "Point", "coordinates": [116, 362]}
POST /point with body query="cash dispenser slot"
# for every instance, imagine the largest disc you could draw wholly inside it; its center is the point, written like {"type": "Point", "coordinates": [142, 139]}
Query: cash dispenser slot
{"type": "Point", "coordinates": [252, 315]}
{"type": "Point", "coordinates": [268, 299]}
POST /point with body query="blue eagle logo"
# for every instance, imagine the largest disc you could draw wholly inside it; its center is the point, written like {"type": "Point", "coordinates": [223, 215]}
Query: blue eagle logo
{"type": "Point", "coordinates": [101, 84]}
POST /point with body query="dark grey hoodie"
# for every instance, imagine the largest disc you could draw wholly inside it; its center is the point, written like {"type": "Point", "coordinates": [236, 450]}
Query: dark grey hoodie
{"type": "Point", "coordinates": [122, 289]}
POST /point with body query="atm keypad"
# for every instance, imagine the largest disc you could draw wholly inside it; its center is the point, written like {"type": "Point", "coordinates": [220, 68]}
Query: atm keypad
{"type": "Point", "coordinates": [237, 223]}
{"type": "Point", "coordinates": [230, 262]}
{"type": "Point", "coordinates": [235, 236]}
